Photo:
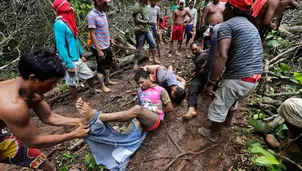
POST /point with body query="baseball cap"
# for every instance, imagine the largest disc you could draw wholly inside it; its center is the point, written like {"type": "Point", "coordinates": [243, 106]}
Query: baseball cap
{"type": "Point", "coordinates": [243, 5]}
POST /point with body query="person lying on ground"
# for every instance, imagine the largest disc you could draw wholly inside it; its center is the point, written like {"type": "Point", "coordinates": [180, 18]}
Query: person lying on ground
{"type": "Point", "coordinates": [142, 31]}
{"type": "Point", "coordinates": [191, 27]}
{"type": "Point", "coordinates": [179, 24]}
{"type": "Point", "coordinates": [112, 148]}
{"type": "Point", "coordinates": [101, 42]}
{"type": "Point", "coordinates": [165, 77]}
{"type": "Point", "coordinates": [39, 71]}
{"type": "Point", "coordinates": [240, 54]}
{"type": "Point", "coordinates": [203, 61]}
{"type": "Point", "coordinates": [69, 48]}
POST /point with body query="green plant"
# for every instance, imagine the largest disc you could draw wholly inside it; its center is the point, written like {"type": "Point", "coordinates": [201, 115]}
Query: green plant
{"type": "Point", "coordinates": [90, 163]}
{"type": "Point", "coordinates": [298, 76]}
{"type": "Point", "coordinates": [281, 131]}
{"type": "Point", "coordinates": [67, 161]}
{"type": "Point", "coordinates": [282, 67]}
{"type": "Point", "coordinates": [260, 126]}
{"type": "Point", "coordinates": [274, 42]}
{"type": "Point", "coordinates": [63, 88]}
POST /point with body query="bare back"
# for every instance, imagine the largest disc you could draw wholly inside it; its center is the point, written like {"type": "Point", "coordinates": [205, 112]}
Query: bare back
{"type": "Point", "coordinates": [214, 13]}
{"type": "Point", "coordinates": [179, 16]}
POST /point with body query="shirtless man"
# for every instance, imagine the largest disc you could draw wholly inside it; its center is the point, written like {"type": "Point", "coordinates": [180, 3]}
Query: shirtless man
{"type": "Point", "coordinates": [213, 13]}
{"type": "Point", "coordinates": [179, 24]}
{"type": "Point", "coordinates": [39, 72]}
{"type": "Point", "coordinates": [263, 12]}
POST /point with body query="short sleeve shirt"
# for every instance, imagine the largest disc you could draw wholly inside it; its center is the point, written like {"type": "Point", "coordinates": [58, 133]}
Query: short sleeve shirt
{"type": "Point", "coordinates": [166, 78]}
{"type": "Point", "coordinates": [97, 20]}
{"type": "Point", "coordinates": [153, 12]}
{"type": "Point", "coordinates": [245, 53]}
{"type": "Point", "coordinates": [142, 11]}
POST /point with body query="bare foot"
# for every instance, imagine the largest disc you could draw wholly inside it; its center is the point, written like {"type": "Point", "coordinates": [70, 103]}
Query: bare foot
{"type": "Point", "coordinates": [84, 109]}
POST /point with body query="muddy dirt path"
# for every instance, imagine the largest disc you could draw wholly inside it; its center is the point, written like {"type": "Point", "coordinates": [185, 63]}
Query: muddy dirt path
{"type": "Point", "coordinates": [163, 147]}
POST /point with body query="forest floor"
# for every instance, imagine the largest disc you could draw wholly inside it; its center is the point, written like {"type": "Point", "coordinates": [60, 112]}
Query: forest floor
{"type": "Point", "coordinates": [163, 146]}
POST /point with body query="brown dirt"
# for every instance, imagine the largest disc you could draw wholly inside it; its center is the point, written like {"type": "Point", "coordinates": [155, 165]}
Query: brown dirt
{"type": "Point", "coordinates": [158, 149]}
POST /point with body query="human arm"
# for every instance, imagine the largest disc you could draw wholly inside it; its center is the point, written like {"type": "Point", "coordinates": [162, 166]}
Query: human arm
{"type": "Point", "coordinates": [205, 14]}
{"type": "Point", "coordinates": [272, 6]}
{"type": "Point", "coordinates": [194, 20]}
{"type": "Point", "coordinates": [293, 4]}
{"type": "Point", "coordinates": [17, 119]}
{"type": "Point", "coordinates": [92, 29]}
{"type": "Point", "coordinates": [59, 30]}
{"type": "Point", "coordinates": [158, 14]}
{"type": "Point", "coordinates": [43, 111]}
{"type": "Point", "coordinates": [181, 80]}
{"type": "Point", "coordinates": [165, 98]}
{"type": "Point", "coordinates": [138, 20]}
{"type": "Point", "coordinates": [190, 15]}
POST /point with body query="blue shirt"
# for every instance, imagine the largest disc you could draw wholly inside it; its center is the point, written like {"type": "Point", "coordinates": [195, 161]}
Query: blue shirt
{"type": "Point", "coordinates": [67, 45]}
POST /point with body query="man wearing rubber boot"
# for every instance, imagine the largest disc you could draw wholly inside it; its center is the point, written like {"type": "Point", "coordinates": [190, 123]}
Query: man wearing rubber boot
{"type": "Point", "coordinates": [240, 53]}
{"type": "Point", "coordinates": [142, 32]}
{"type": "Point", "coordinates": [101, 44]}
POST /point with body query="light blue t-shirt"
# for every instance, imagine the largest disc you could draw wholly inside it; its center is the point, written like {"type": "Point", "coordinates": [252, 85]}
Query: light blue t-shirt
{"type": "Point", "coordinates": [167, 78]}
{"type": "Point", "coordinates": [67, 45]}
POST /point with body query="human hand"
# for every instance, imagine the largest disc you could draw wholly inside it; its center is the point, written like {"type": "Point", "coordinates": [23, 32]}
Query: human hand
{"type": "Point", "coordinates": [81, 131]}
{"type": "Point", "coordinates": [83, 59]}
{"type": "Point", "coordinates": [274, 26]}
{"type": "Point", "coordinates": [152, 23]}
{"type": "Point", "coordinates": [112, 41]}
{"type": "Point", "coordinates": [208, 91]}
{"type": "Point", "coordinates": [101, 54]}
{"type": "Point", "coordinates": [71, 71]}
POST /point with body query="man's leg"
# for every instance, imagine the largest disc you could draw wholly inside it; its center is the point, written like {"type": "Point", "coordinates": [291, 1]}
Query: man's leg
{"type": "Point", "coordinates": [108, 60]}
{"type": "Point", "coordinates": [152, 44]}
{"type": "Point", "coordinates": [146, 117]}
{"type": "Point", "coordinates": [17, 153]}
{"type": "Point", "coordinates": [73, 92]}
{"type": "Point", "coordinates": [140, 40]}
{"type": "Point", "coordinates": [192, 99]}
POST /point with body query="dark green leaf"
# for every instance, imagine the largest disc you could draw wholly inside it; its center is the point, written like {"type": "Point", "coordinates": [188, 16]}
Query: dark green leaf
{"type": "Point", "coordinates": [260, 126]}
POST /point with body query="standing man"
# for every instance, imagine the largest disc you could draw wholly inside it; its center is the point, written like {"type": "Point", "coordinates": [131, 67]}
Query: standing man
{"type": "Point", "coordinates": [179, 24]}
{"type": "Point", "coordinates": [101, 46]}
{"type": "Point", "coordinates": [154, 12]}
{"type": "Point", "coordinates": [240, 53]}
{"type": "Point", "coordinates": [69, 48]}
{"type": "Point", "coordinates": [190, 28]}
{"type": "Point", "coordinates": [142, 32]}
{"type": "Point", "coordinates": [39, 71]}
{"type": "Point", "coordinates": [203, 63]}
{"type": "Point", "coordinates": [213, 13]}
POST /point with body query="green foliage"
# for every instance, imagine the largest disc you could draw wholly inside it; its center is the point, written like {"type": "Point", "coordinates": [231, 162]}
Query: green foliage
{"type": "Point", "coordinates": [265, 159]}
{"type": "Point", "coordinates": [67, 161]}
{"type": "Point", "coordinates": [260, 126]}
{"type": "Point", "coordinates": [90, 163]}
{"type": "Point", "coordinates": [281, 131]}
{"type": "Point", "coordinates": [298, 76]}
{"type": "Point", "coordinates": [282, 67]}
{"type": "Point", "coordinates": [274, 42]}
{"type": "Point", "coordinates": [63, 88]}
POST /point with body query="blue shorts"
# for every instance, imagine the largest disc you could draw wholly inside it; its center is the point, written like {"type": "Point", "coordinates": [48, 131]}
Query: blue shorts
{"type": "Point", "coordinates": [188, 31]}
{"type": "Point", "coordinates": [140, 40]}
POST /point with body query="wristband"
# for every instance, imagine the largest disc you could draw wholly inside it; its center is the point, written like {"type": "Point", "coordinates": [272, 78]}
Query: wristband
{"type": "Point", "coordinates": [211, 82]}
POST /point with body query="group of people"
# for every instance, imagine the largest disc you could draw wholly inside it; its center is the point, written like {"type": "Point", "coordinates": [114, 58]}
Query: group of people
{"type": "Point", "coordinates": [228, 67]}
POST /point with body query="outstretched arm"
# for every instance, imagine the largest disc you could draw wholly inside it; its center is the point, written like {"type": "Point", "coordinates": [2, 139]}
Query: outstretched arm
{"type": "Point", "coordinates": [272, 6]}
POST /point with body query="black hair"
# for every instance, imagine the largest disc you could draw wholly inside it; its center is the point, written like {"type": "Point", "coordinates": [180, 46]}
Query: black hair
{"type": "Point", "coordinates": [194, 43]}
{"type": "Point", "coordinates": [41, 62]}
{"type": "Point", "coordinates": [141, 74]}
{"type": "Point", "coordinates": [180, 94]}
{"type": "Point", "coordinates": [238, 12]}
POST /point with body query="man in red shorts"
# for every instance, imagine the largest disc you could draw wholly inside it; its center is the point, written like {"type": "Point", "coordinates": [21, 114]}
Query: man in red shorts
{"type": "Point", "coordinates": [179, 24]}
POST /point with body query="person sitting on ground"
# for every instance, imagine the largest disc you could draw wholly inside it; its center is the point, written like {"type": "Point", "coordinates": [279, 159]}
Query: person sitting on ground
{"type": "Point", "coordinates": [108, 145]}
{"type": "Point", "coordinates": [179, 24]}
{"type": "Point", "coordinates": [240, 54]}
{"type": "Point", "coordinates": [69, 48]}
{"type": "Point", "coordinates": [165, 77]}
{"type": "Point", "coordinates": [142, 32]}
{"type": "Point", "coordinates": [203, 62]}
{"type": "Point", "coordinates": [164, 28]}
{"type": "Point", "coordinates": [190, 28]}
{"type": "Point", "coordinates": [40, 70]}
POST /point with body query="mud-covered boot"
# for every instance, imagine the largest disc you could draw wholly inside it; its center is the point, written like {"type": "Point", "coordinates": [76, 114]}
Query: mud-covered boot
{"type": "Point", "coordinates": [190, 114]}
{"type": "Point", "coordinates": [107, 79]}
{"type": "Point", "coordinates": [103, 87]}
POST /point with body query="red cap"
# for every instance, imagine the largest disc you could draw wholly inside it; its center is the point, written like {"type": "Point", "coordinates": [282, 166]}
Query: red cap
{"type": "Point", "coordinates": [243, 5]}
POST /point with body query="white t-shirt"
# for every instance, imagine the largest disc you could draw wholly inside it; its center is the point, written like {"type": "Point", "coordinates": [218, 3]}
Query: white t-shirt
{"type": "Point", "coordinates": [193, 12]}
{"type": "Point", "coordinates": [153, 12]}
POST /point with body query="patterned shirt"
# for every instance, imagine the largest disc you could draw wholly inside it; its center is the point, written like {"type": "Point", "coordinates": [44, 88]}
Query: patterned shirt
{"type": "Point", "coordinates": [153, 99]}
{"type": "Point", "coordinates": [97, 20]}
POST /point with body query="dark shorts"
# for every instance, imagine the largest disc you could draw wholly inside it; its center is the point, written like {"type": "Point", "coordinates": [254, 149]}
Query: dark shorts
{"type": "Point", "coordinates": [13, 151]}
{"type": "Point", "coordinates": [103, 63]}
{"type": "Point", "coordinates": [188, 31]}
